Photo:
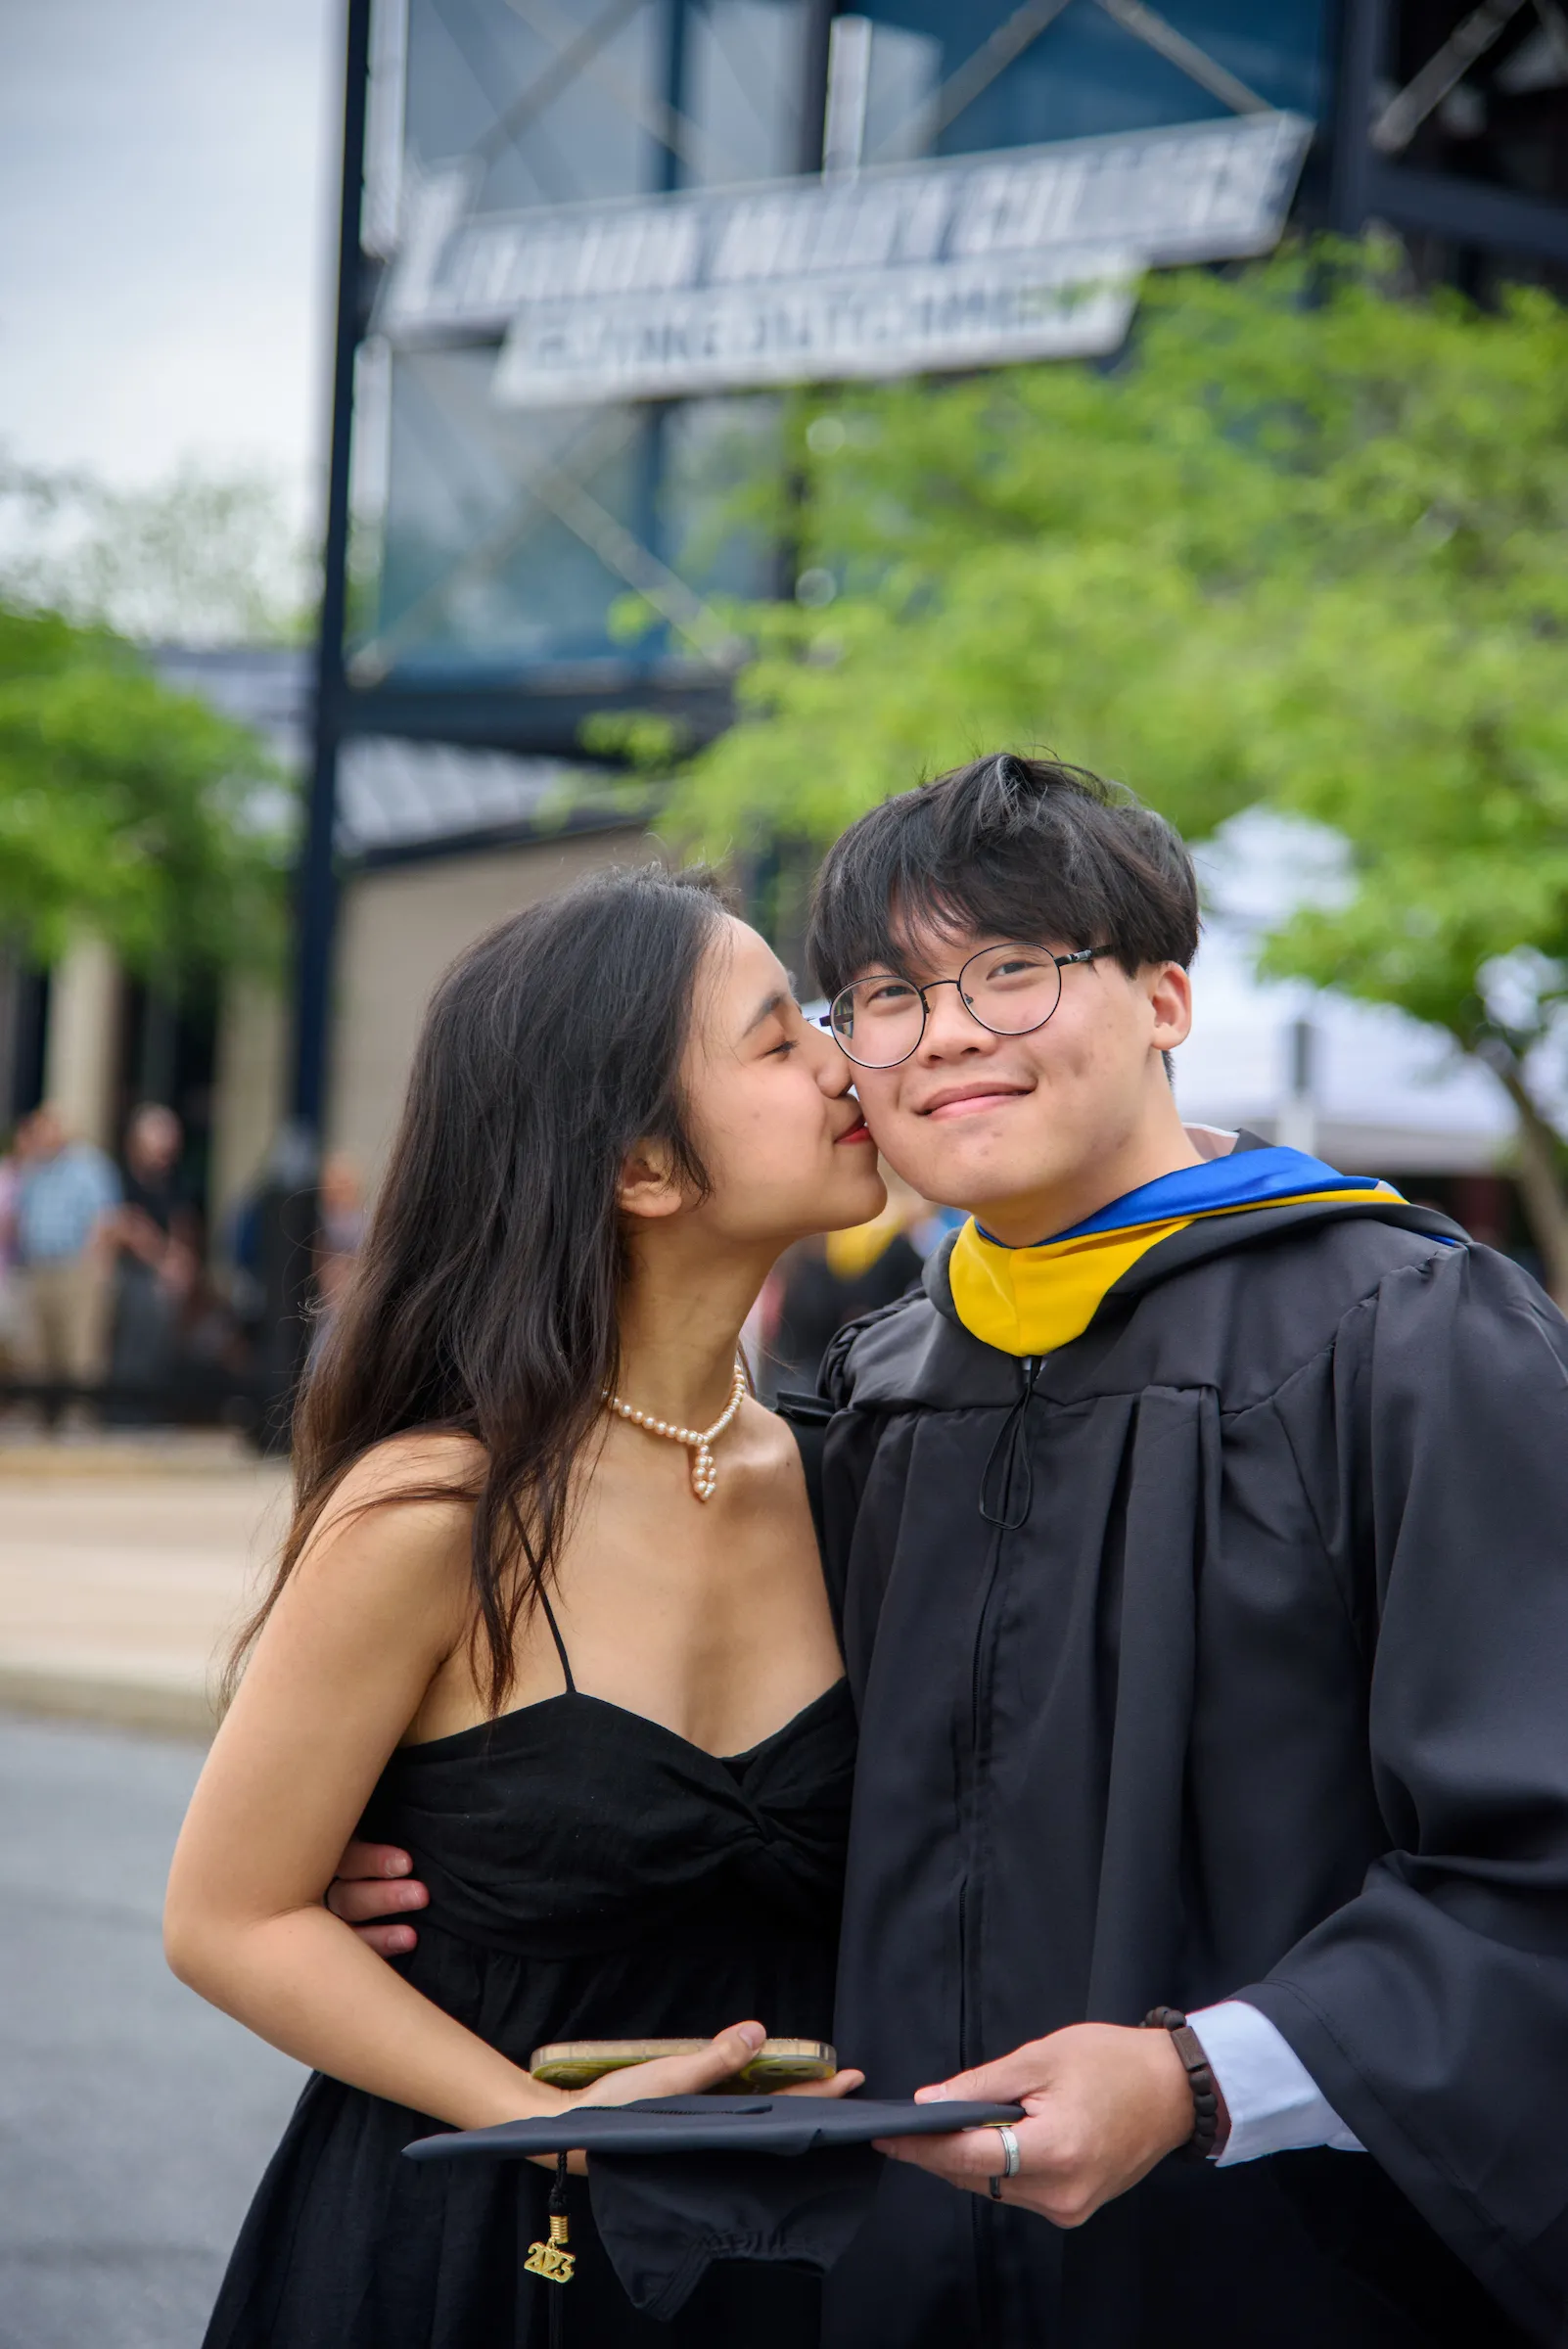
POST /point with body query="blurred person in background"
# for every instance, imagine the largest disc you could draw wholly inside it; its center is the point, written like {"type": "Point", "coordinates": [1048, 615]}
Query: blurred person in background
{"type": "Point", "coordinates": [274, 1247]}
{"type": "Point", "coordinates": [828, 1280]}
{"type": "Point", "coordinates": [157, 1258]}
{"type": "Point", "coordinates": [66, 1196]}
{"type": "Point", "coordinates": [341, 1196]}
{"type": "Point", "coordinates": [11, 1165]}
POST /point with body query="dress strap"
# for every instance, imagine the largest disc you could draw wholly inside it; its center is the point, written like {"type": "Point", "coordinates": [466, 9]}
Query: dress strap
{"type": "Point", "coordinates": [560, 1644]}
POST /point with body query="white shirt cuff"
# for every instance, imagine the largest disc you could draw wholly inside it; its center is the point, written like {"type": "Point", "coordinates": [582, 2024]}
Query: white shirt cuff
{"type": "Point", "coordinates": [1274, 2103]}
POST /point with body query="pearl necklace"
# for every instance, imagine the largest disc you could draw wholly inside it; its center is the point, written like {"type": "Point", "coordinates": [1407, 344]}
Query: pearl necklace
{"type": "Point", "coordinates": [699, 1442]}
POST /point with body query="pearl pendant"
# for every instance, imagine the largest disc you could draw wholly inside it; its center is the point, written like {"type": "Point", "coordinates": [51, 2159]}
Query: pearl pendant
{"type": "Point", "coordinates": [699, 1442]}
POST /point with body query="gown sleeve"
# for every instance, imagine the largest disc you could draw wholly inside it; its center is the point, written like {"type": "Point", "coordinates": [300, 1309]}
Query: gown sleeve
{"type": "Point", "coordinates": [1432, 2010]}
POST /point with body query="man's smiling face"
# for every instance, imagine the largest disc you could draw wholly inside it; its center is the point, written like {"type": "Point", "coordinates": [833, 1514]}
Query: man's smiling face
{"type": "Point", "coordinates": [1031, 1132]}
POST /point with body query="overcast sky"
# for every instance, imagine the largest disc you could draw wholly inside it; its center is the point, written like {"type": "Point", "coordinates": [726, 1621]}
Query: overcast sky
{"type": "Point", "coordinates": [167, 173]}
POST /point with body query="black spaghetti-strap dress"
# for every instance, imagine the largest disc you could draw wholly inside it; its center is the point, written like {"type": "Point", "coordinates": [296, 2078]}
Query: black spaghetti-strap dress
{"type": "Point", "coordinates": [592, 1875]}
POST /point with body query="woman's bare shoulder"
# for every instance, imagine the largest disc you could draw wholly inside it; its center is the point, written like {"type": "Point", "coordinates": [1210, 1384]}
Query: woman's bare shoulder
{"type": "Point", "coordinates": [423, 1459]}
{"type": "Point", "coordinates": [416, 1490]}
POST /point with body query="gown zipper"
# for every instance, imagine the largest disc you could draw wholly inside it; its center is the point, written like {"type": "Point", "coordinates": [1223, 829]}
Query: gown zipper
{"type": "Point", "coordinates": [1012, 1493]}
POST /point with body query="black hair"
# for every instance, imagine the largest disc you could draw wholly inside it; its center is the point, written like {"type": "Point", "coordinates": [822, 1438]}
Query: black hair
{"type": "Point", "coordinates": [485, 1301]}
{"type": "Point", "coordinates": [1012, 847]}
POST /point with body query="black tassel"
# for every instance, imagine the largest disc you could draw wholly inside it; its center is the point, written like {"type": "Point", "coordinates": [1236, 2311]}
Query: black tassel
{"type": "Point", "coordinates": [550, 2260]}
{"type": "Point", "coordinates": [557, 2208]}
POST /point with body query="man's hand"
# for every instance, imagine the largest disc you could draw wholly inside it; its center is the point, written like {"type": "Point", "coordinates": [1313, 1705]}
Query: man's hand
{"type": "Point", "coordinates": [377, 1880]}
{"type": "Point", "coordinates": [1102, 2105]}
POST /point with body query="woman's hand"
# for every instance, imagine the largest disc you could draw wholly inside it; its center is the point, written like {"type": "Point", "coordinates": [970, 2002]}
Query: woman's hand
{"type": "Point", "coordinates": [727, 2054]}
{"type": "Point", "coordinates": [729, 2051]}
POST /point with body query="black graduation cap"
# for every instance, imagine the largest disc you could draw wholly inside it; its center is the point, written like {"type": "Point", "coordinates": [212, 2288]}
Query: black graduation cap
{"type": "Point", "coordinates": [709, 2125]}
{"type": "Point", "coordinates": [678, 2182]}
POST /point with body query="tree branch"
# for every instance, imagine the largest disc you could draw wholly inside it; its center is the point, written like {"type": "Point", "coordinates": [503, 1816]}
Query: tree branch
{"type": "Point", "coordinates": [1540, 1182]}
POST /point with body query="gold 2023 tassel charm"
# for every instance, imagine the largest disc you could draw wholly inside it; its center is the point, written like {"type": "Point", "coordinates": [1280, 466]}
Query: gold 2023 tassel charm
{"type": "Point", "coordinates": [552, 2260]}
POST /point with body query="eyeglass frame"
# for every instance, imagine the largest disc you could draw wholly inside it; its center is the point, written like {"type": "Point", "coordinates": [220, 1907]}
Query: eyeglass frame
{"type": "Point", "coordinates": [1063, 963]}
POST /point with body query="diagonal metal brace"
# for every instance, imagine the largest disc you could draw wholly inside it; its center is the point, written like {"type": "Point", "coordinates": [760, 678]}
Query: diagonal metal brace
{"type": "Point", "coordinates": [569, 58]}
{"type": "Point", "coordinates": [583, 53]}
{"type": "Point", "coordinates": [558, 489]}
{"type": "Point", "coordinates": [620, 551]}
{"type": "Point", "coordinates": [1148, 26]}
{"type": "Point", "coordinates": [1403, 116]}
{"type": "Point", "coordinates": [979, 68]}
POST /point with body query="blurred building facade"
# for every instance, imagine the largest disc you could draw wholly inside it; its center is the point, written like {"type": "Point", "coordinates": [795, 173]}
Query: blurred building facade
{"type": "Point", "coordinates": [597, 239]}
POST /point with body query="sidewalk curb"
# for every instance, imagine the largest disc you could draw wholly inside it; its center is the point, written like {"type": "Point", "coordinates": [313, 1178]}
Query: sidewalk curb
{"type": "Point", "coordinates": [71, 1463]}
{"type": "Point", "coordinates": [169, 1707]}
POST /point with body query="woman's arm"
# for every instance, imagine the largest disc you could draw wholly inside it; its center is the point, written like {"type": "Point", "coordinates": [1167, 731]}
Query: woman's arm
{"type": "Point", "coordinates": [376, 1602]}
{"type": "Point", "coordinates": [375, 1605]}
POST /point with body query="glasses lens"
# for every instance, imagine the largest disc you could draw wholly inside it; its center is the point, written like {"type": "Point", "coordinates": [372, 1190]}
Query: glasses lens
{"type": "Point", "coordinates": [1011, 988]}
{"type": "Point", "coordinates": [878, 1021]}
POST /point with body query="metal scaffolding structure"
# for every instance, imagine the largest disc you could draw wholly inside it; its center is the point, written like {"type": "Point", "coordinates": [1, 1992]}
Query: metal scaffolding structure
{"type": "Point", "coordinates": [1398, 69]}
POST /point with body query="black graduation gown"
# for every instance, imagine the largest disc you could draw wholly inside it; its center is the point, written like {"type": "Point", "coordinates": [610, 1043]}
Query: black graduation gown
{"type": "Point", "coordinates": [1262, 1687]}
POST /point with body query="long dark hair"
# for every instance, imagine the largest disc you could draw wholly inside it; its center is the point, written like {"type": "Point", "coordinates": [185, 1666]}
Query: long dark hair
{"type": "Point", "coordinates": [485, 1299]}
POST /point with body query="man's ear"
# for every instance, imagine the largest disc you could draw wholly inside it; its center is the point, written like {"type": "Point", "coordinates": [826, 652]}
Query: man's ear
{"type": "Point", "coordinates": [1170, 1001]}
{"type": "Point", "coordinates": [649, 1185]}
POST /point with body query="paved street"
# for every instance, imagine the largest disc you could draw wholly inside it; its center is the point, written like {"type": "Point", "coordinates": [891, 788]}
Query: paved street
{"type": "Point", "coordinates": [134, 2121]}
{"type": "Point", "coordinates": [122, 1567]}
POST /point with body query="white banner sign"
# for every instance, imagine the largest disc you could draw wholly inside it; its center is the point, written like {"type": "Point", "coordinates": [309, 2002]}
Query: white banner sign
{"type": "Point", "coordinates": [874, 323]}
{"type": "Point", "coordinates": [967, 262]}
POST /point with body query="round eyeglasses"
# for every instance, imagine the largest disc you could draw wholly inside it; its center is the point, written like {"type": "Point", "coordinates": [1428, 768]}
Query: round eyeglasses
{"type": "Point", "coordinates": [1009, 990]}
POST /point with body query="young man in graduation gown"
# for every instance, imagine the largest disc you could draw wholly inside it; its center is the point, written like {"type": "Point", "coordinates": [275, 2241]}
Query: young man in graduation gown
{"type": "Point", "coordinates": [1201, 1536]}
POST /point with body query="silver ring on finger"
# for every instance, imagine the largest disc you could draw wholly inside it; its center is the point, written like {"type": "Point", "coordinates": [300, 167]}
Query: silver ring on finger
{"type": "Point", "coordinates": [1012, 2157]}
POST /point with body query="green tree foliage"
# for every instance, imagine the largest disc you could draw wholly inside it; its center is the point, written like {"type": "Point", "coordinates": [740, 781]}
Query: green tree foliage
{"type": "Point", "coordinates": [128, 809]}
{"type": "Point", "coordinates": [199, 557]}
{"type": "Point", "coordinates": [1302, 546]}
